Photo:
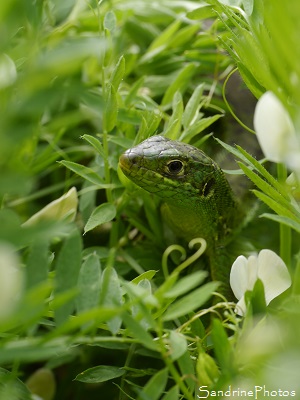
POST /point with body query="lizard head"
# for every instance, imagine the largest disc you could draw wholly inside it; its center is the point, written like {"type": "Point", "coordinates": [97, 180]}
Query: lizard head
{"type": "Point", "coordinates": [172, 170]}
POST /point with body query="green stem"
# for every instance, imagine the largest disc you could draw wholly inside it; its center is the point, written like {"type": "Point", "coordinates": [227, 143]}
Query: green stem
{"type": "Point", "coordinates": [285, 231]}
{"type": "Point", "coordinates": [228, 105]}
{"type": "Point", "coordinates": [169, 363]}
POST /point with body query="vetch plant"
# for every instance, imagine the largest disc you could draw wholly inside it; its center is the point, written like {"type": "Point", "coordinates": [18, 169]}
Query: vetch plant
{"type": "Point", "coordinates": [275, 132]}
{"type": "Point", "coordinates": [63, 208]}
{"type": "Point", "coordinates": [266, 266]}
{"type": "Point", "coordinates": [11, 280]}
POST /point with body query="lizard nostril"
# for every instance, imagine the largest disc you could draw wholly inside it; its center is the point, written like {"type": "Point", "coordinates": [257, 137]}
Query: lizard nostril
{"type": "Point", "coordinates": [128, 159]}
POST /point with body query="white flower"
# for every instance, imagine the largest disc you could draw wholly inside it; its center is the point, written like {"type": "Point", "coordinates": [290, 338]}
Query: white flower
{"type": "Point", "coordinates": [275, 132]}
{"type": "Point", "coordinates": [8, 71]}
{"type": "Point", "coordinates": [268, 267]}
{"type": "Point", "coordinates": [11, 280]}
{"type": "Point", "coordinates": [63, 208]}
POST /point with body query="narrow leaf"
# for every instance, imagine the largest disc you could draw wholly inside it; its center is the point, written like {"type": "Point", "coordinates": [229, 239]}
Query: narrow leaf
{"type": "Point", "coordinates": [37, 263]}
{"type": "Point", "coordinates": [178, 345]}
{"type": "Point", "coordinates": [84, 172]}
{"type": "Point", "coordinates": [102, 373]}
{"type": "Point", "coordinates": [95, 143]}
{"type": "Point", "coordinates": [198, 127]}
{"type": "Point", "coordinates": [165, 37]}
{"type": "Point", "coordinates": [155, 386]}
{"type": "Point", "coordinates": [111, 295]}
{"type": "Point", "coordinates": [89, 284]}
{"type": "Point", "coordinates": [283, 220]}
{"type": "Point", "coordinates": [186, 284]}
{"type": "Point", "coordinates": [118, 73]}
{"type": "Point", "coordinates": [261, 169]}
{"type": "Point", "coordinates": [174, 124]}
{"type": "Point", "coordinates": [192, 107]}
{"type": "Point", "coordinates": [222, 346]}
{"type": "Point", "coordinates": [266, 187]}
{"type": "Point", "coordinates": [102, 214]}
{"type": "Point", "coordinates": [67, 270]}
{"type": "Point", "coordinates": [274, 205]}
{"type": "Point", "coordinates": [139, 332]}
{"type": "Point", "coordinates": [190, 302]}
{"type": "Point", "coordinates": [111, 109]}
{"type": "Point", "coordinates": [172, 394]}
{"type": "Point", "coordinates": [180, 83]}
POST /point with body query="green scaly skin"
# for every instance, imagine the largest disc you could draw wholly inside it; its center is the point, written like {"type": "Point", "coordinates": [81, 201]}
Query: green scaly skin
{"type": "Point", "coordinates": [197, 199]}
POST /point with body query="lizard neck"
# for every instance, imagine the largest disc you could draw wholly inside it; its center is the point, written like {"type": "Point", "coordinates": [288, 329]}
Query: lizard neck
{"type": "Point", "coordinates": [215, 217]}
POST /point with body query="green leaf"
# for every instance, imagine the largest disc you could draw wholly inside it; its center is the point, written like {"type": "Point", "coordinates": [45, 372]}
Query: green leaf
{"type": "Point", "coordinates": [67, 270]}
{"type": "Point", "coordinates": [172, 394]}
{"type": "Point", "coordinates": [142, 302]}
{"type": "Point", "coordinates": [155, 386]}
{"type": "Point", "coordinates": [186, 284]}
{"type": "Point", "coordinates": [111, 109]}
{"type": "Point", "coordinates": [31, 350]}
{"type": "Point", "coordinates": [145, 275]}
{"type": "Point", "coordinates": [222, 346]}
{"type": "Point", "coordinates": [11, 388]}
{"type": "Point", "coordinates": [165, 37]}
{"type": "Point", "coordinates": [139, 332]}
{"type": "Point", "coordinates": [180, 83]}
{"type": "Point", "coordinates": [110, 21]}
{"type": "Point", "coordinates": [260, 168]}
{"type": "Point", "coordinates": [133, 91]}
{"type": "Point", "coordinates": [86, 173]}
{"type": "Point", "coordinates": [89, 284]}
{"type": "Point", "coordinates": [183, 36]}
{"type": "Point", "coordinates": [283, 220]}
{"type": "Point", "coordinates": [101, 214]}
{"type": "Point", "coordinates": [198, 127]}
{"type": "Point", "coordinates": [187, 370]}
{"type": "Point", "coordinates": [257, 298]}
{"type": "Point", "coordinates": [192, 108]}
{"type": "Point", "coordinates": [101, 373]}
{"type": "Point", "coordinates": [174, 124]}
{"type": "Point", "coordinates": [178, 345]}
{"type": "Point", "coordinates": [95, 143]}
{"type": "Point", "coordinates": [111, 295]}
{"type": "Point", "coordinates": [37, 263]}
{"type": "Point", "coordinates": [202, 12]}
{"type": "Point", "coordinates": [274, 205]}
{"type": "Point", "coordinates": [190, 302]}
{"type": "Point", "coordinates": [266, 188]}
{"type": "Point", "coordinates": [118, 73]}
{"type": "Point", "coordinates": [84, 319]}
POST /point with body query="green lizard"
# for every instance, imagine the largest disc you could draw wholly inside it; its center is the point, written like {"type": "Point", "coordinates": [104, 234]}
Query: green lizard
{"type": "Point", "coordinates": [197, 198]}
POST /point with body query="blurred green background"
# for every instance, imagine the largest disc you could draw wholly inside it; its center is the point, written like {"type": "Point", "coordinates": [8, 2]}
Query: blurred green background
{"type": "Point", "coordinates": [80, 82]}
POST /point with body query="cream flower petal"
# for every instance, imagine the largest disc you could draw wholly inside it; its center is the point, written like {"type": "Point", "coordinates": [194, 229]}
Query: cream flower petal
{"type": "Point", "coordinates": [8, 71]}
{"type": "Point", "coordinates": [240, 308]}
{"type": "Point", "coordinates": [273, 273]}
{"type": "Point", "coordinates": [275, 130]}
{"type": "Point", "coordinates": [239, 277]}
{"type": "Point", "coordinates": [11, 280]}
{"type": "Point", "coordinates": [268, 267]}
{"type": "Point", "coordinates": [243, 276]}
{"type": "Point", "coordinates": [63, 208]}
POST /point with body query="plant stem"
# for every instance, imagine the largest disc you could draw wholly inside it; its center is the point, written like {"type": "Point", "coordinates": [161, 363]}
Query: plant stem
{"type": "Point", "coordinates": [285, 231]}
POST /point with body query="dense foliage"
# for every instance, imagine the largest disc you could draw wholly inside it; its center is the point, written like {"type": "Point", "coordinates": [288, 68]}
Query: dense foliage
{"type": "Point", "coordinates": [92, 304]}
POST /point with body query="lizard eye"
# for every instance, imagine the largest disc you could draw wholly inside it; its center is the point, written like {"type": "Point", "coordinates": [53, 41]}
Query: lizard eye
{"type": "Point", "coordinates": [175, 167]}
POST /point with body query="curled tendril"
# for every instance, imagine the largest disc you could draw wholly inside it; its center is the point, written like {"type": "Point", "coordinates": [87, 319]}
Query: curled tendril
{"type": "Point", "coordinates": [186, 262]}
{"type": "Point", "coordinates": [227, 104]}
{"type": "Point", "coordinates": [167, 252]}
